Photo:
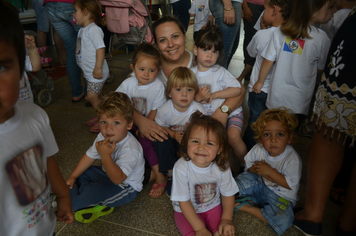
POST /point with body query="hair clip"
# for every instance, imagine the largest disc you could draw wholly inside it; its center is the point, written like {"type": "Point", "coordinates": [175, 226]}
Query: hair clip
{"type": "Point", "coordinates": [201, 115]}
{"type": "Point", "coordinates": [102, 14]}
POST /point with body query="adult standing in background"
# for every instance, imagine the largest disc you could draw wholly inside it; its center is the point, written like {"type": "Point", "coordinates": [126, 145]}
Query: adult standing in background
{"type": "Point", "coordinates": [180, 10]}
{"type": "Point", "coordinates": [227, 14]}
{"type": "Point", "coordinates": [60, 14]}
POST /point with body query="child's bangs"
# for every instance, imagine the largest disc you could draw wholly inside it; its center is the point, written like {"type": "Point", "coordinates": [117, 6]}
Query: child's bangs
{"type": "Point", "coordinates": [209, 41]}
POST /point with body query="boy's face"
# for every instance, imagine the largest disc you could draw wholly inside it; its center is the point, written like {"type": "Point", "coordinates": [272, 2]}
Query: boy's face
{"type": "Point", "coordinates": [9, 80]}
{"type": "Point", "coordinates": [115, 128]}
{"type": "Point", "coordinates": [275, 138]}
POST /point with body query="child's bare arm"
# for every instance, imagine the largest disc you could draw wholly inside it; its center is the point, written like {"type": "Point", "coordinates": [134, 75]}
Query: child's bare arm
{"type": "Point", "coordinates": [226, 93]}
{"type": "Point", "coordinates": [226, 226]}
{"type": "Point", "coordinates": [202, 95]}
{"type": "Point", "coordinates": [100, 56]}
{"type": "Point", "coordinates": [265, 68]}
{"type": "Point", "coordinates": [84, 163]}
{"type": "Point", "coordinates": [105, 149]}
{"type": "Point", "coordinates": [35, 58]}
{"type": "Point", "coordinates": [265, 170]}
{"type": "Point", "coordinates": [193, 219]}
{"type": "Point", "coordinates": [60, 189]}
{"type": "Point", "coordinates": [152, 115]}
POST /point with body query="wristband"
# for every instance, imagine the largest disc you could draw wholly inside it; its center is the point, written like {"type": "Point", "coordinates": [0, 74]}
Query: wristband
{"type": "Point", "coordinates": [228, 9]}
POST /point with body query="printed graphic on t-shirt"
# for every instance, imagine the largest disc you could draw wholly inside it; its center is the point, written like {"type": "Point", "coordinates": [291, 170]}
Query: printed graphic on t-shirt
{"type": "Point", "coordinates": [27, 175]}
{"type": "Point", "coordinates": [204, 193]}
{"type": "Point", "coordinates": [293, 45]}
{"type": "Point", "coordinates": [140, 105]}
{"type": "Point", "coordinates": [201, 8]}
{"type": "Point", "coordinates": [25, 94]}
{"type": "Point", "coordinates": [177, 128]}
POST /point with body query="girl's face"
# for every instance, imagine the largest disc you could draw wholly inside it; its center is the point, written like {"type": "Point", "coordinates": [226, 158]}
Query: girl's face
{"type": "Point", "coordinates": [145, 70]}
{"type": "Point", "coordinates": [170, 41]}
{"type": "Point", "coordinates": [275, 138]}
{"type": "Point", "coordinates": [202, 147]}
{"type": "Point", "coordinates": [268, 13]}
{"type": "Point", "coordinates": [182, 97]}
{"type": "Point", "coordinates": [325, 13]}
{"type": "Point", "coordinates": [206, 57]}
{"type": "Point", "coordinates": [82, 17]}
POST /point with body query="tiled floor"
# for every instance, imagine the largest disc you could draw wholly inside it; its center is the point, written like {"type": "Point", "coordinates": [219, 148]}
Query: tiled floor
{"type": "Point", "coordinates": [144, 215]}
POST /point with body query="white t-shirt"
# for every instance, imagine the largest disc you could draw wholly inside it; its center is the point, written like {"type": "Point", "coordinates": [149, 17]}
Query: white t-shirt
{"type": "Point", "coordinates": [336, 21]}
{"type": "Point", "coordinates": [202, 12]}
{"type": "Point", "coordinates": [90, 39]}
{"type": "Point", "coordinates": [217, 78]}
{"type": "Point", "coordinates": [294, 75]}
{"type": "Point", "coordinates": [25, 86]}
{"type": "Point", "coordinates": [257, 44]}
{"type": "Point", "coordinates": [161, 76]}
{"type": "Point", "coordinates": [26, 212]}
{"type": "Point", "coordinates": [145, 98]}
{"type": "Point", "coordinates": [288, 164]}
{"type": "Point", "coordinates": [168, 116]}
{"type": "Point", "coordinates": [202, 186]}
{"type": "Point", "coordinates": [128, 155]}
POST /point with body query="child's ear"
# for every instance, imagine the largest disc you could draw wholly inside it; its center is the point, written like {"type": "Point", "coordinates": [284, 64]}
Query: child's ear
{"type": "Point", "coordinates": [276, 9]}
{"type": "Point", "coordinates": [170, 95]}
{"type": "Point", "coordinates": [290, 138]}
{"type": "Point", "coordinates": [129, 126]}
{"type": "Point", "coordinates": [132, 67]}
{"type": "Point", "coordinates": [195, 50]}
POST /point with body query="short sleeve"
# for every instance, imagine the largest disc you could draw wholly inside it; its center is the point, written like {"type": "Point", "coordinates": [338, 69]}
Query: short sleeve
{"type": "Point", "coordinates": [180, 185]}
{"type": "Point", "coordinates": [96, 36]}
{"type": "Point", "coordinates": [325, 45]}
{"type": "Point", "coordinates": [228, 185]}
{"type": "Point", "coordinates": [270, 52]}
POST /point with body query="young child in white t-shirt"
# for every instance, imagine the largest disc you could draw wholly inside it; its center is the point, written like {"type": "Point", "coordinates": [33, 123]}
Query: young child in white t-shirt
{"type": "Point", "coordinates": [146, 92]}
{"type": "Point", "coordinates": [273, 170]}
{"type": "Point", "coordinates": [90, 52]}
{"type": "Point", "coordinates": [202, 15]}
{"type": "Point", "coordinates": [217, 84]}
{"type": "Point", "coordinates": [272, 16]}
{"type": "Point", "coordinates": [174, 116]}
{"type": "Point", "coordinates": [96, 190]}
{"type": "Point", "coordinates": [203, 190]}
{"type": "Point", "coordinates": [29, 171]}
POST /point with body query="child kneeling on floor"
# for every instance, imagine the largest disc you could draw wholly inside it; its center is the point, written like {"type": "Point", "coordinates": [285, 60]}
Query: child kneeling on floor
{"type": "Point", "coordinates": [273, 170]}
{"type": "Point", "coordinates": [95, 190]}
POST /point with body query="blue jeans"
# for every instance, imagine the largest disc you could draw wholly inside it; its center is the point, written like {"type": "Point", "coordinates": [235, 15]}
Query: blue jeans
{"type": "Point", "coordinates": [41, 16]}
{"type": "Point", "coordinates": [181, 11]}
{"type": "Point", "coordinates": [166, 153]}
{"type": "Point", "coordinates": [276, 210]}
{"type": "Point", "coordinates": [94, 187]}
{"type": "Point", "coordinates": [231, 33]}
{"type": "Point", "coordinates": [60, 14]}
{"type": "Point", "coordinates": [257, 104]}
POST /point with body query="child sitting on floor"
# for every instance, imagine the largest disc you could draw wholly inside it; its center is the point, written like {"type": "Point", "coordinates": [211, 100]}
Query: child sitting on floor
{"type": "Point", "coordinates": [29, 171]}
{"type": "Point", "coordinates": [273, 170]}
{"type": "Point", "coordinates": [120, 178]}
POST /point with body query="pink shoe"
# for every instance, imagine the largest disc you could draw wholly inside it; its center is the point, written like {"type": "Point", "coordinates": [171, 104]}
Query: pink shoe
{"type": "Point", "coordinates": [95, 128]}
{"type": "Point", "coordinates": [45, 60]}
{"type": "Point", "coordinates": [92, 121]}
{"type": "Point", "coordinates": [42, 49]}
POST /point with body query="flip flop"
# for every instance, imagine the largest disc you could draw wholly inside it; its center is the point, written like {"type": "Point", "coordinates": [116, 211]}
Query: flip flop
{"type": "Point", "coordinates": [157, 186]}
{"type": "Point", "coordinates": [242, 204]}
{"type": "Point", "coordinates": [92, 121]}
{"type": "Point", "coordinates": [95, 128]}
{"type": "Point", "coordinates": [49, 69]}
{"type": "Point", "coordinates": [243, 199]}
{"type": "Point", "coordinates": [91, 214]}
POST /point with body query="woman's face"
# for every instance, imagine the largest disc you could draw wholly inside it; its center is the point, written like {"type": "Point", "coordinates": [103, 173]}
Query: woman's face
{"type": "Point", "coordinates": [170, 41]}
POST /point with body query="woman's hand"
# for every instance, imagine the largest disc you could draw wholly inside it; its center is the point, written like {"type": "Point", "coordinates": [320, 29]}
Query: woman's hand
{"type": "Point", "coordinates": [149, 129]}
{"type": "Point", "coordinates": [247, 13]}
{"type": "Point", "coordinates": [229, 16]}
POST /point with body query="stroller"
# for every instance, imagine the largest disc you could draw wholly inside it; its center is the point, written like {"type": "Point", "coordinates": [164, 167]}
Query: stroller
{"type": "Point", "coordinates": [130, 21]}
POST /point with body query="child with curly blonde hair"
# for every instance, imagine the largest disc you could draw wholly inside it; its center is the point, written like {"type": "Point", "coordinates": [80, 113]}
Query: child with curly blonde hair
{"type": "Point", "coordinates": [273, 170]}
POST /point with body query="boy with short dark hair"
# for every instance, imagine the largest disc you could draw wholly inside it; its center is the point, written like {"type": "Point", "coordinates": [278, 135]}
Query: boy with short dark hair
{"type": "Point", "coordinates": [96, 190]}
{"type": "Point", "coordinates": [27, 146]}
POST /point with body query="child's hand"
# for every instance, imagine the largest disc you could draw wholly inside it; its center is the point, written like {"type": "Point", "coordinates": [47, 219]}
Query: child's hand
{"type": "Point", "coordinates": [70, 182]}
{"type": "Point", "coordinates": [97, 73]}
{"type": "Point", "coordinates": [203, 232]}
{"type": "Point", "coordinates": [212, 97]}
{"type": "Point", "coordinates": [257, 87]}
{"type": "Point", "coordinates": [178, 136]}
{"type": "Point", "coordinates": [262, 168]}
{"type": "Point", "coordinates": [226, 227]}
{"type": "Point", "coordinates": [64, 210]}
{"type": "Point", "coordinates": [203, 95]}
{"type": "Point", "coordinates": [105, 148]}
{"type": "Point", "coordinates": [30, 42]}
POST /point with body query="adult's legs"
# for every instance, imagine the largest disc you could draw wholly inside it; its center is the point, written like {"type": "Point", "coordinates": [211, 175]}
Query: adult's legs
{"type": "Point", "coordinates": [181, 11]}
{"type": "Point", "coordinates": [60, 14]}
{"type": "Point", "coordinates": [325, 160]}
{"type": "Point", "coordinates": [60, 48]}
{"type": "Point", "coordinates": [231, 33]}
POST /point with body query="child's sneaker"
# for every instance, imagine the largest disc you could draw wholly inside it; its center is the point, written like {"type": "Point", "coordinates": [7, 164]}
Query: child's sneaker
{"type": "Point", "coordinates": [169, 186]}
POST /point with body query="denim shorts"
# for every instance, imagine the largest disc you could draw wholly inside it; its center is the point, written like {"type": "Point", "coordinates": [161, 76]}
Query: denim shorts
{"type": "Point", "coordinates": [41, 16]}
{"type": "Point", "coordinates": [276, 210]}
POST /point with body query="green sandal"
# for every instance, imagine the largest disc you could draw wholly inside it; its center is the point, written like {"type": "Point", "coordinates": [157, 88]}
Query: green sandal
{"type": "Point", "coordinates": [91, 214]}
